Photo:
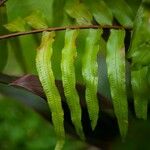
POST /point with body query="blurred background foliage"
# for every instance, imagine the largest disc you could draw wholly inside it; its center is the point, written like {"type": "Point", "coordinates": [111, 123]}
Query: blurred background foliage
{"type": "Point", "coordinates": [22, 128]}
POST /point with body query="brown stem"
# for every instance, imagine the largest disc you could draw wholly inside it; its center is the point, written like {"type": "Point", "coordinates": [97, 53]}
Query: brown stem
{"type": "Point", "coordinates": [2, 2]}
{"type": "Point", "coordinates": [63, 28]}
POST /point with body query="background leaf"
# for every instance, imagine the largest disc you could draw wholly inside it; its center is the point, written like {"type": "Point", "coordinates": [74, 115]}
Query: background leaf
{"type": "Point", "coordinates": [58, 12]}
{"type": "Point", "coordinates": [22, 127]}
{"type": "Point", "coordinates": [28, 44]}
{"type": "Point", "coordinates": [17, 25]}
{"type": "Point", "coordinates": [3, 43]}
{"type": "Point", "coordinates": [134, 4]}
{"type": "Point", "coordinates": [100, 11]}
{"type": "Point", "coordinates": [16, 50]}
{"type": "Point", "coordinates": [121, 11]}
{"type": "Point", "coordinates": [139, 50]}
{"type": "Point", "coordinates": [78, 11]}
{"type": "Point", "coordinates": [36, 20]}
{"type": "Point", "coordinates": [140, 91]}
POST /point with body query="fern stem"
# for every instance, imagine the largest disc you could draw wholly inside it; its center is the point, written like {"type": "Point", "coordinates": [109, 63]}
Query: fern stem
{"type": "Point", "coordinates": [63, 28]}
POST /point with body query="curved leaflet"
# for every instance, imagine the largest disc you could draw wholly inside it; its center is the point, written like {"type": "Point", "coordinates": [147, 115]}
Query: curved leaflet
{"type": "Point", "coordinates": [44, 68]}
{"type": "Point", "coordinates": [69, 54]}
{"type": "Point", "coordinates": [90, 74]}
{"type": "Point", "coordinates": [115, 60]}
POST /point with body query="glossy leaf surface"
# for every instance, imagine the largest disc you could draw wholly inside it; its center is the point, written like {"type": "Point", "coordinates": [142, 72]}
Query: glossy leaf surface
{"type": "Point", "coordinates": [115, 59]}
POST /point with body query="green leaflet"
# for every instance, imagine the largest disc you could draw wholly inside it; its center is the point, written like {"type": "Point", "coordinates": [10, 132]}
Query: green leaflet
{"type": "Point", "coordinates": [36, 20]}
{"type": "Point", "coordinates": [139, 49]}
{"type": "Point", "coordinates": [121, 11]}
{"type": "Point", "coordinates": [44, 68]}
{"type": "Point", "coordinates": [116, 74]}
{"type": "Point", "coordinates": [90, 74]}
{"type": "Point", "coordinates": [17, 25]}
{"type": "Point", "coordinates": [100, 11]}
{"type": "Point", "coordinates": [140, 91]}
{"type": "Point", "coordinates": [78, 11]}
{"type": "Point", "coordinates": [69, 54]}
{"type": "Point", "coordinates": [3, 43]}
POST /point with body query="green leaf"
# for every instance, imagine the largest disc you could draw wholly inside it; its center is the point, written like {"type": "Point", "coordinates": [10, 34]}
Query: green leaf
{"type": "Point", "coordinates": [121, 11]}
{"type": "Point", "coordinates": [27, 43]}
{"type": "Point", "coordinates": [17, 25]}
{"type": "Point", "coordinates": [17, 50]}
{"type": "Point", "coordinates": [140, 91]}
{"type": "Point", "coordinates": [58, 12]}
{"type": "Point", "coordinates": [100, 11]}
{"type": "Point", "coordinates": [134, 4]}
{"type": "Point", "coordinates": [46, 76]}
{"type": "Point", "coordinates": [115, 59]}
{"type": "Point", "coordinates": [79, 12]}
{"type": "Point", "coordinates": [22, 52]}
{"type": "Point", "coordinates": [138, 137]}
{"type": "Point", "coordinates": [36, 20]}
{"type": "Point", "coordinates": [139, 49]}
{"type": "Point", "coordinates": [28, 47]}
{"type": "Point", "coordinates": [24, 8]}
{"type": "Point", "coordinates": [3, 43]}
{"type": "Point", "coordinates": [90, 74]}
{"type": "Point", "coordinates": [69, 54]}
